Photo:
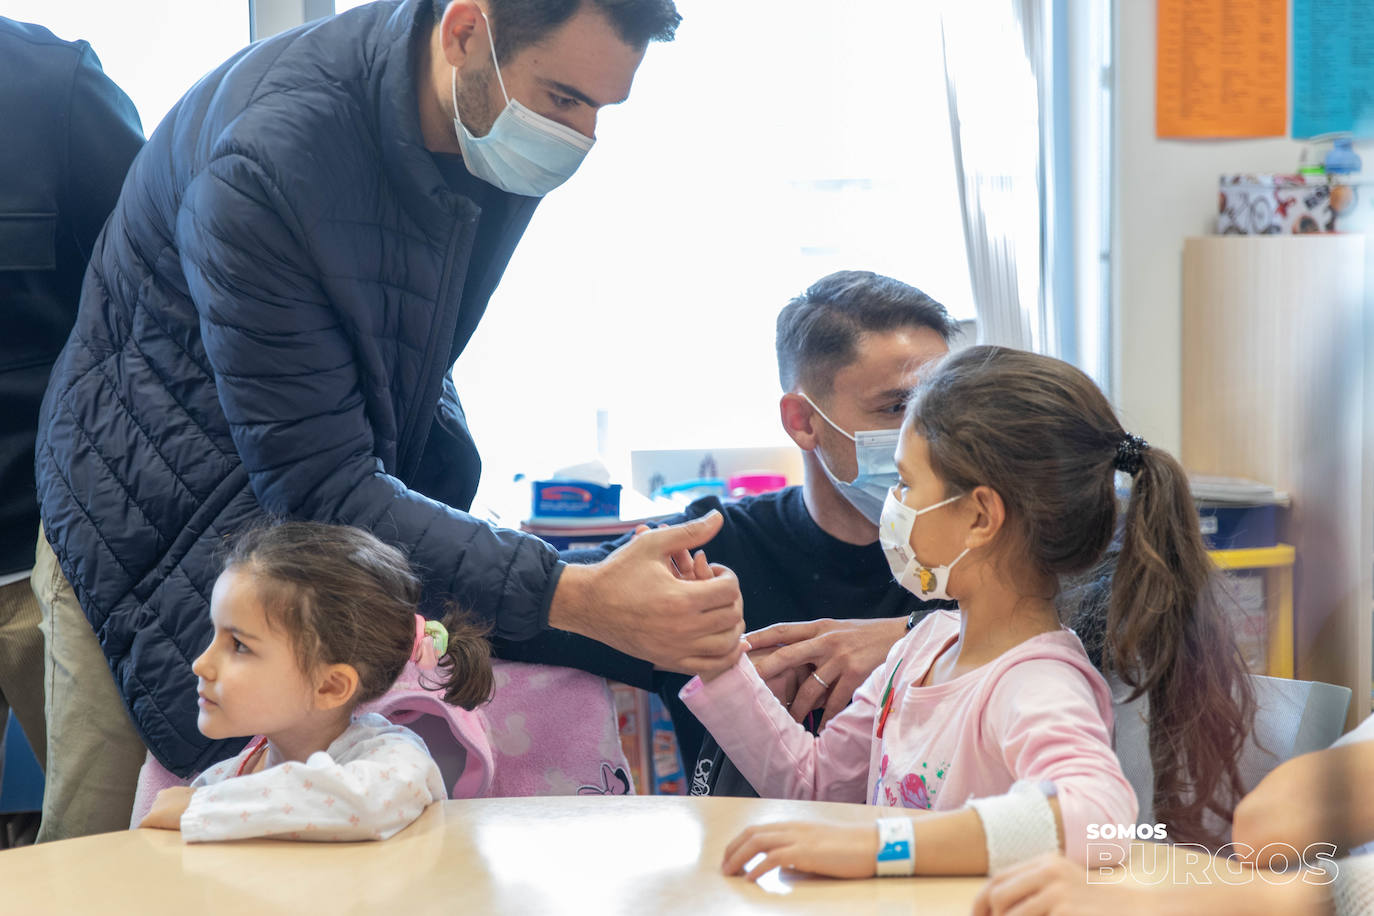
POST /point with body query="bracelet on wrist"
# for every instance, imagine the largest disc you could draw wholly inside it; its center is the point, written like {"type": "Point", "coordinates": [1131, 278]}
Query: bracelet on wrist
{"type": "Point", "coordinates": [896, 847]}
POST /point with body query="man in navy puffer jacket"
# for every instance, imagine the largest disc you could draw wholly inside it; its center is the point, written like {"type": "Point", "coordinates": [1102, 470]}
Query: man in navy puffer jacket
{"type": "Point", "coordinates": [296, 260]}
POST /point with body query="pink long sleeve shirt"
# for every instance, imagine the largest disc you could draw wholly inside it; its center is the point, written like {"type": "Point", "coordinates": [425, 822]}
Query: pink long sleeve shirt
{"type": "Point", "coordinates": [1038, 713]}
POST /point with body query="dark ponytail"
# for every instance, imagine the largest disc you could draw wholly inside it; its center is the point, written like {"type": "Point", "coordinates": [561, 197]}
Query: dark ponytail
{"type": "Point", "coordinates": [1169, 639]}
{"type": "Point", "coordinates": [465, 667]}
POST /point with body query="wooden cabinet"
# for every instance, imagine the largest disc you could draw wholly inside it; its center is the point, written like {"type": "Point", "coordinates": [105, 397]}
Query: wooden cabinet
{"type": "Point", "coordinates": [1278, 387]}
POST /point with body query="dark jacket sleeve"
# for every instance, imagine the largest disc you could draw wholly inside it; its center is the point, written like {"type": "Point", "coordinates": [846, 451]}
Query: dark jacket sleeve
{"type": "Point", "coordinates": [292, 394]}
{"type": "Point", "coordinates": [103, 137]}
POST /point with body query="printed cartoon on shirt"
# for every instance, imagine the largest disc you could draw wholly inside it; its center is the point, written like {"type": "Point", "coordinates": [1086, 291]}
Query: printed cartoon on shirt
{"type": "Point", "coordinates": [917, 788]}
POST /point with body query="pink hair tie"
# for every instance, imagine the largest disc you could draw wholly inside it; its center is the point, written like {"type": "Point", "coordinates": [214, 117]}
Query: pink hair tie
{"type": "Point", "coordinates": [423, 654]}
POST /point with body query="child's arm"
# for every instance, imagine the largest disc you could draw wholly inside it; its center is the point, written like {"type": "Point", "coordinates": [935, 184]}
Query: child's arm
{"type": "Point", "coordinates": [778, 756]}
{"type": "Point", "coordinates": [1053, 884]}
{"type": "Point", "coordinates": [167, 809]}
{"type": "Point", "coordinates": [946, 843]}
{"type": "Point", "coordinates": [170, 803]}
{"type": "Point", "coordinates": [1047, 720]}
{"type": "Point", "coordinates": [1322, 797]}
{"type": "Point", "coordinates": [1047, 729]}
{"type": "Point", "coordinates": [369, 797]}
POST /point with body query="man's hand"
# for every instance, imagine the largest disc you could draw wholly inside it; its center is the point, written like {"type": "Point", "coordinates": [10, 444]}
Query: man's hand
{"type": "Point", "coordinates": [650, 599]}
{"type": "Point", "coordinates": [682, 563]}
{"type": "Point", "coordinates": [168, 808]}
{"type": "Point", "coordinates": [842, 653]}
{"type": "Point", "coordinates": [837, 850]}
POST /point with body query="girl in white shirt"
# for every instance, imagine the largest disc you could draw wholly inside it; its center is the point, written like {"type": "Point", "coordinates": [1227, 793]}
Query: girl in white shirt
{"type": "Point", "coordinates": [311, 620]}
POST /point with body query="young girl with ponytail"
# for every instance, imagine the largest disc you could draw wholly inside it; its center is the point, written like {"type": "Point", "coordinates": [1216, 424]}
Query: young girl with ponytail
{"type": "Point", "coordinates": [989, 726]}
{"type": "Point", "coordinates": [310, 621]}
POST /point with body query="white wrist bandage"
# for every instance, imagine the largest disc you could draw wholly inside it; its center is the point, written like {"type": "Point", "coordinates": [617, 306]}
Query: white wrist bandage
{"type": "Point", "coordinates": [1019, 825]}
{"type": "Point", "coordinates": [1353, 890]}
{"type": "Point", "coordinates": [896, 847]}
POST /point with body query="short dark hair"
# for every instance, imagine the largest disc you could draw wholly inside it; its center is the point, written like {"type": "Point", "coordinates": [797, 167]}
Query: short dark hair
{"type": "Point", "coordinates": [517, 24]}
{"type": "Point", "coordinates": [341, 595]}
{"type": "Point", "coordinates": [818, 331]}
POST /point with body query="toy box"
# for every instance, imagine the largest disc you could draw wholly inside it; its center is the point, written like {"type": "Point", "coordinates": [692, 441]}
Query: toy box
{"type": "Point", "coordinates": [1250, 204]}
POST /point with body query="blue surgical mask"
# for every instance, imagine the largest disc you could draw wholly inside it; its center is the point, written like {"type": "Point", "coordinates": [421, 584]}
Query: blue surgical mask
{"type": "Point", "coordinates": [894, 533]}
{"type": "Point", "coordinates": [875, 451]}
{"type": "Point", "coordinates": [524, 152]}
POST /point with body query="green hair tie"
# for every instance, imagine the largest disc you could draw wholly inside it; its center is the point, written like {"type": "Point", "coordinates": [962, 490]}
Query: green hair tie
{"type": "Point", "coordinates": [436, 631]}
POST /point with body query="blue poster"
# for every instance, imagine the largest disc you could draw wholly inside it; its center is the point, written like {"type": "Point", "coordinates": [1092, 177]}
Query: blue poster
{"type": "Point", "coordinates": [1333, 67]}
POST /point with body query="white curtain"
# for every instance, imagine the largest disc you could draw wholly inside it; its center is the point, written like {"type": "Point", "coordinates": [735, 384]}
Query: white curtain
{"type": "Point", "coordinates": [996, 77]}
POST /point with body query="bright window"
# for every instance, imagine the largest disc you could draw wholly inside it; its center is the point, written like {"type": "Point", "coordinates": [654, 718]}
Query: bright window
{"type": "Point", "coordinates": [770, 144]}
{"type": "Point", "coordinates": [153, 49]}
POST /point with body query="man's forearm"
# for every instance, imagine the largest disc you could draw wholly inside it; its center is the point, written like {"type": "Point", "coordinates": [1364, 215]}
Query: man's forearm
{"type": "Point", "coordinates": [569, 609]}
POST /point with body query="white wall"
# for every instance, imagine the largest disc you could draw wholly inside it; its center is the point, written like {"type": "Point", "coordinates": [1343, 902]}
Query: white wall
{"type": "Point", "coordinates": [152, 49]}
{"type": "Point", "coordinates": [273, 16]}
{"type": "Point", "coordinates": [1165, 190]}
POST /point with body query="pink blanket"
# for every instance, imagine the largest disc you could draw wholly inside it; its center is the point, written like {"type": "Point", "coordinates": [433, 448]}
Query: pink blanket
{"type": "Point", "coordinates": [546, 731]}
{"type": "Point", "coordinates": [554, 733]}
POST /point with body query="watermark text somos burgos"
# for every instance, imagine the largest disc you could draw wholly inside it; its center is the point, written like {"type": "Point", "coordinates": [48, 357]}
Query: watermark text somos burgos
{"type": "Point", "coordinates": [1192, 863]}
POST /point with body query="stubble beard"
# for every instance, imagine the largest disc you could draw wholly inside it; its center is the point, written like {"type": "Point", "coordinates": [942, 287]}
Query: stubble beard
{"type": "Point", "coordinates": [474, 102]}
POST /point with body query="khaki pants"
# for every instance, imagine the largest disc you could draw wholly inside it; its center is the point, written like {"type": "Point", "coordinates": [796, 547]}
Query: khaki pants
{"type": "Point", "coordinates": [21, 664]}
{"type": "Point", "coordinates": [94, 754]}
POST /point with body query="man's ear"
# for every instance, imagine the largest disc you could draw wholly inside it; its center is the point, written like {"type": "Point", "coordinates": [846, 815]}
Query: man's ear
{"type": "Point", "coordinates": [798, 418]}
{"type": "Point", "coordinates": [459, 35]}
{"type": "Point", "coordinates": [336, 686]}
{"type": "Point", "coordinates": [989, 515]}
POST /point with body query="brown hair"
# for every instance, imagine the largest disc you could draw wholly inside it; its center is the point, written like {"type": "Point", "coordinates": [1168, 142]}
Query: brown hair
{"type": "Point", "coordinates": [819, 331]}
{"type": "Point", "coordinates": [344, 597]}
{"type": "Point", "coordinates": [1040, 433]}
{"type": "Point", "coordinates": [517, 24]}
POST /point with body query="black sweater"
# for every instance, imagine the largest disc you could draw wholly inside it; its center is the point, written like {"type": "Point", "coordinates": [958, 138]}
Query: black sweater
{"type": "Point", "coordinates": [789, 570]}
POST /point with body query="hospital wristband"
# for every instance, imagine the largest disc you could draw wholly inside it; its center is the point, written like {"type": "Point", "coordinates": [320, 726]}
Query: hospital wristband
{"type": "Point", "coordinates": [896, 847]}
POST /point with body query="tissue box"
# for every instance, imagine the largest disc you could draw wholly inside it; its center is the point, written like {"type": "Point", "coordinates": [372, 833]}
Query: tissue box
{"type": "Point", "coordinates": [1292, 204]}
{"type": "Point", "coordinates": [575, 499]}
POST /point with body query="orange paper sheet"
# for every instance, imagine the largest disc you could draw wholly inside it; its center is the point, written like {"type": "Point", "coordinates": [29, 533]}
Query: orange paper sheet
{"type": "Point", "coordinates": [1221, 68]}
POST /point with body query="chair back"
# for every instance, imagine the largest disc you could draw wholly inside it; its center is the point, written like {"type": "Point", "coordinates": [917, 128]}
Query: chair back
{"type": "Point", "coordinates": [1291, 718]}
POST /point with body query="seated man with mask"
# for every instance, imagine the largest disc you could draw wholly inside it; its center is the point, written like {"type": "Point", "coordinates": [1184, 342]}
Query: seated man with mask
{"type": "Point", "coordinates": [849, 350]}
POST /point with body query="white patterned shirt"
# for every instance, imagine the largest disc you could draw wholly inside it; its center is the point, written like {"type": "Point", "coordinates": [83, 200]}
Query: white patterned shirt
{"type": "Point", "coordinates": [372, 781]}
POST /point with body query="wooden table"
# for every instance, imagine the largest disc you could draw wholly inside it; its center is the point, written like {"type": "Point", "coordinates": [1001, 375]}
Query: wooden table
{"type": "Point", "coordinates": [489, 856]}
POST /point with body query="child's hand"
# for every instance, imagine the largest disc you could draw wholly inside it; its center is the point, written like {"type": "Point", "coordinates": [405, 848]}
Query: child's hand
{"type": "Point", "coordinates": [824, 849]}
{"type": "Point", "coordinates": [168, 807]}
{"type": "Point", "coordinates": [784, 684]}
{"type": "Point", "coordinates": [699, 569]}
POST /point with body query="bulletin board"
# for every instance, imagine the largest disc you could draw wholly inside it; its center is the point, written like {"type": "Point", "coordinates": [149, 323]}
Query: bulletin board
{"type": "Point", "coordinates": [1333, 67]}
{"type": "Point", "coordinates": [1222, 68]}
